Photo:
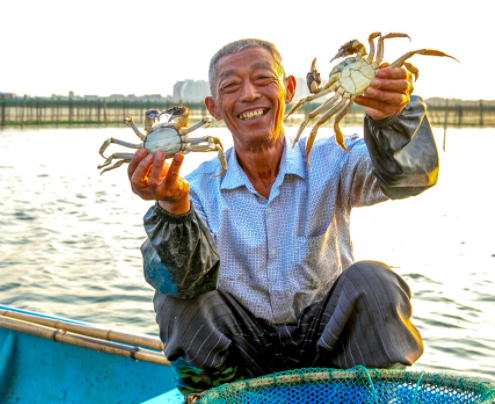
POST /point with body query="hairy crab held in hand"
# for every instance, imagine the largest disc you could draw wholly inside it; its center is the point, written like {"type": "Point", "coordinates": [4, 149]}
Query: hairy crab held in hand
{"type": "Point", "coordinates": [348, 80]}
{"type": "Point", "coordinates": [170, 136]}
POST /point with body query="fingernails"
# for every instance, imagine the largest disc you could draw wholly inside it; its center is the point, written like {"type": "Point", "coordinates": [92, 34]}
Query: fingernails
{"type": "Point", "coordinates": [179, 157]}
{"type": "Point", "coordinates": [149, 157]}
{"type": "Point", "coordinates": [380, 74]}
{"type": "Point", "coordinates": [160, 155]}
{"type": "Point", "coordinates": [376, 83]}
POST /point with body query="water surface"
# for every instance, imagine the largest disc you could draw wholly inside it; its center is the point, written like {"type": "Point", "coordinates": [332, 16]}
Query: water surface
{"type": "Point", "coordinates": [69, 240]}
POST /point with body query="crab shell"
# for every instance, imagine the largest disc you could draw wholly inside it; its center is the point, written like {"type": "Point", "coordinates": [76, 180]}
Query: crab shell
{"type": "Point", "coordinates": [355, 76]}
{"type": "Point", "coordinates": [164, 138]}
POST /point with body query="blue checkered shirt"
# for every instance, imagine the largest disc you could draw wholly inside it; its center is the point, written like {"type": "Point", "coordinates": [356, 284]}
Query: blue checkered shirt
{"type": "Point", "coordinates": [279, 255]}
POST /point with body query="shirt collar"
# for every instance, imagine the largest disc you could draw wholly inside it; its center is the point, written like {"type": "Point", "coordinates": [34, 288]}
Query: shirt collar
{"type": "Point", "coordinates": [296, 158]}
{"type": "Point", "coordinates": [292, 163]}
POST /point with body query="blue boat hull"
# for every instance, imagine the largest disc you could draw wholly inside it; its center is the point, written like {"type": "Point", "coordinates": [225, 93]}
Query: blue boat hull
{"type": "Point", "coordinates": [37, 370]}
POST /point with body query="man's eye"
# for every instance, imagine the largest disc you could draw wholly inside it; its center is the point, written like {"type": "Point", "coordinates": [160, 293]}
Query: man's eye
{"type": "Point", "coordinates": [230, 87]}
{"type": "Point", "coordinates": [263, 80]}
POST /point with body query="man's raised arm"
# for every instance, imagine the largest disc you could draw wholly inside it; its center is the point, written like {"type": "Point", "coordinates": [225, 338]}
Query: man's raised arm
{"type": "Point", "coordinates": [402, 153]}
{"type": "Point", "coordinates": [180, 258]}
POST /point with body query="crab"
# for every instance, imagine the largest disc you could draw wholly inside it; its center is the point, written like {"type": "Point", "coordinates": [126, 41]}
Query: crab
{"type": "Point", "coordinates": [348, 80]}
{"type": "Point", "coordinates": [170, 137]}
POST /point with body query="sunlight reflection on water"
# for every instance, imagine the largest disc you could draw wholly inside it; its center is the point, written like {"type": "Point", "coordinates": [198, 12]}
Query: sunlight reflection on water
{"type": "Point", "coordinates": [70, 240]}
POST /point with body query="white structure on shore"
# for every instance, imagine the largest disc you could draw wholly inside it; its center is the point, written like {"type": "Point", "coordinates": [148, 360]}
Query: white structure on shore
{"type": "Point", "coordinates": [191, 90]}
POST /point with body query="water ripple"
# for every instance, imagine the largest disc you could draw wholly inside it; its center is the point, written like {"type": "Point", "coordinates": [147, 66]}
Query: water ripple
{"type": "Point", "coordinates": [70, 239]}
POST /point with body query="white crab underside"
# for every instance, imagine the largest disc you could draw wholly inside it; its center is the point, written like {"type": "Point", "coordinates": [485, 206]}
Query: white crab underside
{"type": "Point", "coordinates": [356, 77]}
{"type": "Point", "coordinates": [164, 139]}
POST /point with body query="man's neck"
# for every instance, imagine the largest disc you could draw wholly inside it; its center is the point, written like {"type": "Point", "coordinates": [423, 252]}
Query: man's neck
{"type": "Point", "coordinates": [261, 162]}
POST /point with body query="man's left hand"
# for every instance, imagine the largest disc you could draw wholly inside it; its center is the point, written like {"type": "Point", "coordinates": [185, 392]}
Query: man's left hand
{"type": "Point", "coordinates": [389, 93]}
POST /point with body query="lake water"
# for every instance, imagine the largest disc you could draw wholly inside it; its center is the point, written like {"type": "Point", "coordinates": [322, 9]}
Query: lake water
{"type": "Point", "coordinates": [69, 240]}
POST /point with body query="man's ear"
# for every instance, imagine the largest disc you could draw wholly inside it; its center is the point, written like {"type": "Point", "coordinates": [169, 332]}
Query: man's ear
{"type": "Point", "coordinates": [290, 89]}
{"type": "Point", "coordinates": [212, 108]}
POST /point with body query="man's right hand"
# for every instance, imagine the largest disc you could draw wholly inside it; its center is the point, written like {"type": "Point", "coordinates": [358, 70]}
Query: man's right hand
{"type": "Point", "coordinates": [153, 179]}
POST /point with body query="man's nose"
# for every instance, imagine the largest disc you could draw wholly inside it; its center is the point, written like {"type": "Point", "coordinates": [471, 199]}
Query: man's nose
{"type": "Point", "coordinates": [249, 92]}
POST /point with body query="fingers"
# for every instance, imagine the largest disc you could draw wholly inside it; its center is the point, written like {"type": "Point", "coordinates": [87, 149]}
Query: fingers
{"type": "Point", "coordinates": [391, 97]}
{"type": "Point", "coordinates": [138, 156]}
{"type": "Point", "coordinates": [398, 86]}
{"type": "Point", "coordinates": [175, 196]}
{"type": "Point", "coordinates": [377, 109]}
{"type": "Point", "coordinates": [142, 169]}
{"type": "Point", "coordinates": [388, 93]}
{"type": "Point", "coordinates": [173, 172]}
{"type": "Point", "coordinates": [139, 178]}
{"type": "Point", "coordinates": [158, 170]}
{"type": "Point", "coordinates": [396, 73]}
{"type": "Point", "coordinates": [164, 181]}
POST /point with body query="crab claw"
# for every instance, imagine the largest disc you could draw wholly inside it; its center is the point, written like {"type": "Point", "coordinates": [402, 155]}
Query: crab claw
{"type": "Point", "coordinates": [152, 114]}
{"type": "Point", "coordinates": [313, 78]}
{"type": "Point", "coordinates": [349, 48]}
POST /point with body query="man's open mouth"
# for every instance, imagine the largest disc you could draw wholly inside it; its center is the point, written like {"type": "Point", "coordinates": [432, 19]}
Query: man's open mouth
{"type": "Point", "coordinates": [247, 116]}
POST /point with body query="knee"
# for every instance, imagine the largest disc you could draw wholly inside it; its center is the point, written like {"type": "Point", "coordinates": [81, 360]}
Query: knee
{"type": "Point", "coordinates": [171, 311]}
{"type": "Point", "coordinates": [377, 279]}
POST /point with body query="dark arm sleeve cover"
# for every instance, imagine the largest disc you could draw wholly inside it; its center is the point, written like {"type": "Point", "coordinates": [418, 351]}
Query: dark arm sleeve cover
{"type": "Point", "coordinates": [403, 151]}
{"type": "Point", "coordinates": [179, 257]}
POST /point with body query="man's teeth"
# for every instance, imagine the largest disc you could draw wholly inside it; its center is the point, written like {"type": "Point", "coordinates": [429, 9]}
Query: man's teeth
{"type": "Point", "coordinates": [251, 115]}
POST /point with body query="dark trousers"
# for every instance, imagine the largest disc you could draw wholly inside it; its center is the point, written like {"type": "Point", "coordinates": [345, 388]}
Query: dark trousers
{"type": "Point", "coordinates": [363, 320]}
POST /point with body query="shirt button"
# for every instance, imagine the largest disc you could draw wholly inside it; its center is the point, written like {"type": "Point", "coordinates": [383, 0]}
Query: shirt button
{"type": "Point", "coordinates": [269, 210]}
{"type": "Point", "coordinates": [273, 252]}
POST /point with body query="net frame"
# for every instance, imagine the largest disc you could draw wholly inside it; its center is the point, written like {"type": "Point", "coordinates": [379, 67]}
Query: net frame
{"type": "Point", "coordinates": [376, 386]}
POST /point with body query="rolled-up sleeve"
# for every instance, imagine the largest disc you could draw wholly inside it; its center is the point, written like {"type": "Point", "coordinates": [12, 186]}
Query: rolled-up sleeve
{"type": "Point", "coordinates": [403, 151]}
{"type": "Point", "coordinates": [179, 257]}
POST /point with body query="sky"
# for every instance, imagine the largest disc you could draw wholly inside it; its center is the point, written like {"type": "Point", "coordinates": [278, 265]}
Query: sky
{"type": "Point", "coordinates": [130, 47]}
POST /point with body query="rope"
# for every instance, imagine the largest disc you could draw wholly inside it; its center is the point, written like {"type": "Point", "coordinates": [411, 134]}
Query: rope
{"type": "Point", "coordinates": [375, 398]}
{"type": "Point", "coordinates": [417, 387]}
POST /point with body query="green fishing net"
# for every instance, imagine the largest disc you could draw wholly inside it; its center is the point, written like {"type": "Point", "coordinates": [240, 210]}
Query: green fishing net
{"type": "Point", "coordinates": [357, 385]}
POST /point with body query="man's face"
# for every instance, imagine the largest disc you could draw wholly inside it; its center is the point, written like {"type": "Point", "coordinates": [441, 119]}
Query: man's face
{"type": "Point", "coordinates": [250, 94]}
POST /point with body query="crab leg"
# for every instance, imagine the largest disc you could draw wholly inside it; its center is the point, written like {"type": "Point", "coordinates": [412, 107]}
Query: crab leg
{"type": "Point", "coordinates": [339, 137]}
{"type": "Point", "coordinates": [324, 107]}
{"type": "Point", "coordinates": [125, 156]}
{"type": "Point", "coordinates": [128, 121]}
{"type": "Point", "coordinates": [413, 69]}
{"type": "Point", "coordinates": [309, 143]}
{"type": "Point", "coordinates": [324, 91]}
{"type": "Point", "coordinates": [108, 142]}
{"type": "Point", "coordinates": [381, 47]}
{"type": "Point", "coordinates": [428, 52]}
{"type": "Point", "coordinates": [205, 121]}
{"type": "Point", "coordinates": [116, 165]}
{"type": "Point", "coordinates": [214, 144]}
{"type": "Point", "coordinates": [371, 41]}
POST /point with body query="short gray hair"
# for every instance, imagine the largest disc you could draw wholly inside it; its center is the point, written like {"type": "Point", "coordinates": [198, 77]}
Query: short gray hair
{"type": "Point", "coordinates": [240, 45]}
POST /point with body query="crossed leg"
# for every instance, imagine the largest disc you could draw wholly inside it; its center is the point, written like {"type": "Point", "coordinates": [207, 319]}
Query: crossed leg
{"type": "Point", "coordinates": [365, 319]}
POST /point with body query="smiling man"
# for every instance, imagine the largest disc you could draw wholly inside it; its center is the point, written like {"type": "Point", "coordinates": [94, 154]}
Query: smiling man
{"type": "Point", "coordinates": [253, 270]}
